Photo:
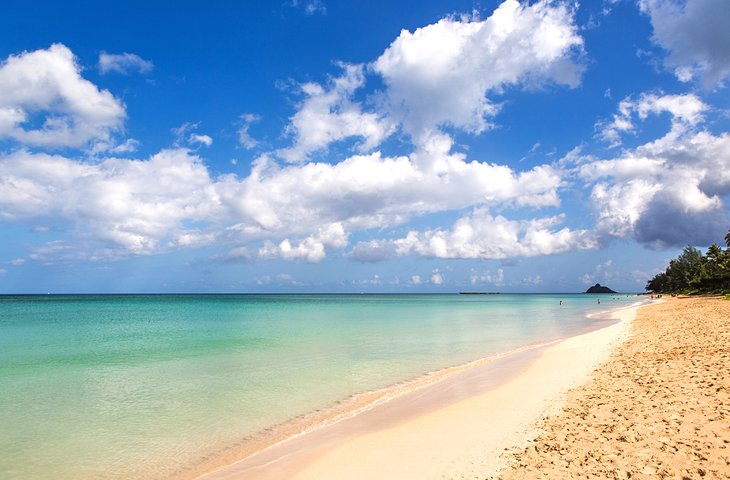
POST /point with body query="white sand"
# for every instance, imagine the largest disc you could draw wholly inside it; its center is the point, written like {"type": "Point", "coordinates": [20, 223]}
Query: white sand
{"type": "Point", "coordinates": [658, 408]}
{"type": "Point", "coordinates": [456, 428]}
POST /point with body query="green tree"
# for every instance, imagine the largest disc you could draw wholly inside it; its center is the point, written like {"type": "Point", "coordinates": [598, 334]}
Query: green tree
{"type": "Point", "coordinates": [694, 272]}
{"type": "Point", "coordinates": [717, 269]}
{"type": "Point", "coordinates": [687, 270]}
{"type": "Point", "coordinates": [657, 284]}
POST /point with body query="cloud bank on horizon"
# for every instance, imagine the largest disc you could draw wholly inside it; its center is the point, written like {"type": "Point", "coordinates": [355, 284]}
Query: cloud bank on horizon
{"type": "Point", "coordinates": [375, 164]}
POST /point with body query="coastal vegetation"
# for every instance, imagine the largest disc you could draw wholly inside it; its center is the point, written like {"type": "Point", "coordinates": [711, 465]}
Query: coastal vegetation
{"type": "Point", "coordinates": [694, 273]}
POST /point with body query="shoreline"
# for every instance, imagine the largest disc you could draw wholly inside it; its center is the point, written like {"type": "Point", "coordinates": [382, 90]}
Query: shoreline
{"type": "Point", "coordinates": [346, 409]}
{"type": "Point", "coordinates": [304, 443]}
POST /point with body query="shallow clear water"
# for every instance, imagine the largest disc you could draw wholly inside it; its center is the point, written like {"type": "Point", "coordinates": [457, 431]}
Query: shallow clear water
{"type": "Point", "coordinates": [139, 386]}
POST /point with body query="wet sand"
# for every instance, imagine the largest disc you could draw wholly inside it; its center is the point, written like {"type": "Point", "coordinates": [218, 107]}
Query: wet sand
{"type": "Point", "coordinates": [456, 427]}
{"type": "Point", "coordinates": [659, 408]}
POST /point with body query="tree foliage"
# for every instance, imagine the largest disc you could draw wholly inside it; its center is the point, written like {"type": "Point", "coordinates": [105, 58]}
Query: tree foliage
{"type": "Point", "coordinates": [693, 272]}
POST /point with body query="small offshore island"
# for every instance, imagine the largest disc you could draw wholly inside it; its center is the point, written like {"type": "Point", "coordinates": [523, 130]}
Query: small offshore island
{"type": "Point", "coordinates": [598, 288]}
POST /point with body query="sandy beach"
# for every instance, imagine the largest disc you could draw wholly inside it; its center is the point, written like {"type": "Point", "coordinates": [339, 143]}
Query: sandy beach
{"type": "Point", "coordinates": [659, 408]}
{"type": "Point", "coordinates": [644, 397]}
{"type": "Point", "coordinates": [455, 428]}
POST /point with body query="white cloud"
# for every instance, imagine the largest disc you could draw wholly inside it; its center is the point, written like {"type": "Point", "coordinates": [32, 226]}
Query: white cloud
{"type": "Point", "coordinates": [436, 277]}
{"type": "Point", "coordinates": [497, 278]}
{"type": "Point", "coordinates": [17, 262]}
{"type": "Point", "coordinates": [171, 201]}
{"type": "Point", "coordinates": [200, 139]}
{"type": "Point", "coordinates": [281, 278]}
{"type": "Point", "coordinates": [686, 110]}
{"type": "Point", "coordinates": [244, 137]}
{"type": "Point", "coordinates": [118, 206]}
{"type": "Point", "coordinates": [481, 236]}
{"type": "Point", "coordinates": [311, 249]}
{"type": "Point", "coordinates": [128, 146]}
{"type": "Point", "coordinates": [667, 192]}
{"type": "Point", "coordinates": [518, 45]}
{"type": "Point", "coordinates": [696, 35]}
{"type": "Point", "coordinates": [620, 205]}
{"type": "Point", "coordinates": [45, 88]}
{"type": "Point", "coordinates": [328, 114]}
{"type": "Point", "coordinates": [368, 191]}
{"type": "Point", "coordinates": [124, 63]}
{"type": "Point", "coordinates": [100, 148]}
{"type": "Point", "coordinates": [416, 279]}
{"type": "Point", "coordinates": [186, 134]}
{"type": "Point", "coordinates": [440, 74]}
{"type": "Point", "coordinates": [128, 205]}
{"type": "Point", "coordinates": [184, 130]}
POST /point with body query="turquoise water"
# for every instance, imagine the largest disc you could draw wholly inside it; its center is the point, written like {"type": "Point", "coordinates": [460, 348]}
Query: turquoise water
{"type": "Point", "coordinates": [142, 386]}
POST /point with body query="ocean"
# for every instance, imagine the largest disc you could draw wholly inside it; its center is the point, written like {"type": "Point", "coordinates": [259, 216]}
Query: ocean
{"type": "Point", "coordinates": [154, 386]}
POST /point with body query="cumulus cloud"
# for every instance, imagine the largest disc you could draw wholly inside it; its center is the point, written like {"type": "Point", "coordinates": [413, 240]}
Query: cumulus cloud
{"type": "Point", "coordinates": [300, 211]}
{"type": "Point", "coordinates": [45, 88]}
{"type": "Point", "coordinates": [367, 191]}
{"type": "Point", "coordinates": [620, 205]}
{"type": "Point", "coordinates": [482, 236]}
{"type": "Point", "coordinates": [696, 36]}
{"type": "Point", "coordinates": [311, 249]}
{"type": "Point", "coordinates": [666, 222]}
{"type": "Point", "coordinates": [130, 205]}
{"type": "Point", "coordinates": [328, 114]}
{"type": "Point", "coordinates": [440, 74]}
{"type": "Point", "coordinates": [124, 63]}
{"type": "Point", "coordinates": [518, 45]}
{"type": "Point", "coordinates": [667, 192]}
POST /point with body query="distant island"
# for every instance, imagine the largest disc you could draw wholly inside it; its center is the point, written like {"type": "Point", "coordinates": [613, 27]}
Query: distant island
{"type": "Point", "coordinates": [598, 288]}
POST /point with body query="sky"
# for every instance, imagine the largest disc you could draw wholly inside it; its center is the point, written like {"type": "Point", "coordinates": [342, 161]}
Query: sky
{"type": "Point", "coordinates": [320, 146]}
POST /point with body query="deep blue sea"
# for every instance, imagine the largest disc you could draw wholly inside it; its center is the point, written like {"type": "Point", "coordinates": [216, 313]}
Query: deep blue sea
{"type": "Point", "coordinates": [141, 386]}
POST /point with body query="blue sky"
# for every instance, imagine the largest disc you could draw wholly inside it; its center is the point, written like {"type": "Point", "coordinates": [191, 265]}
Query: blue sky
{"type": "Point", "coordinates": [319, 146]}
